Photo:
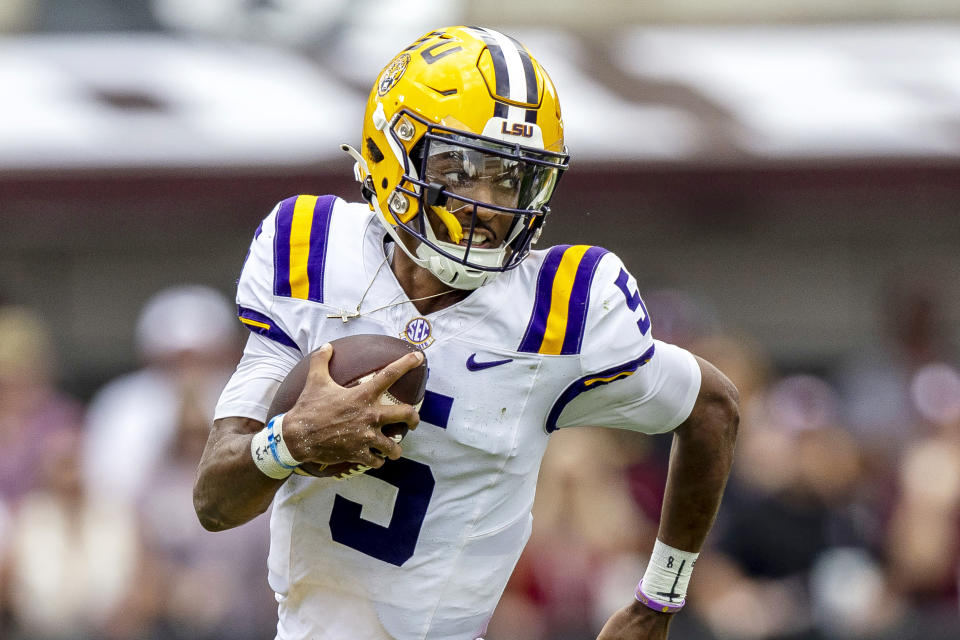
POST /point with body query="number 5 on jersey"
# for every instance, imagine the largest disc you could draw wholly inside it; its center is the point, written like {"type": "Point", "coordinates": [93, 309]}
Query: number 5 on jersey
{"type": "Point", "coordinates": [634, 302]}
{"type": "Point", "coordinates": [397, 542]}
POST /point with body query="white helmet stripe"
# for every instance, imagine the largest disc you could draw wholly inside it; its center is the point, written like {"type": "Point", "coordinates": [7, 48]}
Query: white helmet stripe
{"type": "Point", "coordinates": [530, 76]}
{"type": "Point", "coordinates": [516, 80]}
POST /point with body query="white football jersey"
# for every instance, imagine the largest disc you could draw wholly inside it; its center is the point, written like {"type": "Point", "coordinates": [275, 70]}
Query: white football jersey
{"type": "Point", "coordinates": [423, 547]}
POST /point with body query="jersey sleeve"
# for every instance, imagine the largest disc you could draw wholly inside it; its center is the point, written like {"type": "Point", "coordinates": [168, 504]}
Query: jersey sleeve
{"type": "Point", "coordinates": [284, 267]}
{"type": "Point", "coordinates": [264, 365]}
{"type": "Point", "coordinates": [629, 380]}
{"type": "Point", "coordinates": [255, 288]}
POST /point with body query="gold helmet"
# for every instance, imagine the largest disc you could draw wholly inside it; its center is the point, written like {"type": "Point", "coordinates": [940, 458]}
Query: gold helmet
{"type": "Point", "coordinates": [462, 111]}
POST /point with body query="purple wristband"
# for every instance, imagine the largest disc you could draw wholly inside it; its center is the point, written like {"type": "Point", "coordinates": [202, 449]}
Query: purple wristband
{"type": "Point", "coordinates": [662, 607]}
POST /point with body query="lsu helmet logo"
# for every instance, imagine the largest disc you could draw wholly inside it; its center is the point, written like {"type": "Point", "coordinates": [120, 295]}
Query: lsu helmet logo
{"type": "Point", "coordinates": [392, 73]}
{"type": "Point", "coordinates": [517, 129]}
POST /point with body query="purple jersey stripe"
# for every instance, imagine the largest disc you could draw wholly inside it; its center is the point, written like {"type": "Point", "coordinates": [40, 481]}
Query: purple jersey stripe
{"type": "Point", "coordinates": [580, 300]}
{"type": "Point", "coordinates": [281, 248]}
{"type": "Point", "coordinates": [319, 233]}
{"type": "Point", "coordinates": [265, 326]}
{"type": "Point", "coordinates": [596, 380]}
{"type": "Point", "coordinates": [537, 326]}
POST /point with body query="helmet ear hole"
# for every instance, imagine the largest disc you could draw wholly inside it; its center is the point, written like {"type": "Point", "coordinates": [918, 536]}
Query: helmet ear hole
{"type": "Point", "coordinates": [375, 154]}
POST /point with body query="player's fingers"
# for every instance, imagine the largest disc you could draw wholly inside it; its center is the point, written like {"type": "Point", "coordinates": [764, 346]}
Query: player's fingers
{"type": "Point", "coordinates": [404, 413]}
{"type": "Point", "coordinates": [320, 365]}
{"type": "Point", "coordinates": [384, 379]}
{"type": "Point", "coordinates": [386, 446]}
{"type": "Point", "coordinates": [370, 459]}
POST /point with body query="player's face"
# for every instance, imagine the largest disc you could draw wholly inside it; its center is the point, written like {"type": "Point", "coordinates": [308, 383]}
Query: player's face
{"type": "Point", "coordinates": [480, 177]}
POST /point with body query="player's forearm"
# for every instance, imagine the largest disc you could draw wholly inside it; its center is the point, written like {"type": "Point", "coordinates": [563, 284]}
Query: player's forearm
{"type": "Point", "coordinates": [229, 489]}
{"type": "Point", "coordinates": [700, 463]}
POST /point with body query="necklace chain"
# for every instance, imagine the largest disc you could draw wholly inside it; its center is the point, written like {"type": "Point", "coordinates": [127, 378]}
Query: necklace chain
{"type": "Point", "coordinates": [345, 315]}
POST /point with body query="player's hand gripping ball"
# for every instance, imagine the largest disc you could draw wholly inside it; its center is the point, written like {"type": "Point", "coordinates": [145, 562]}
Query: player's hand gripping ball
{"type": "Point", "coordinates": [355, 359]}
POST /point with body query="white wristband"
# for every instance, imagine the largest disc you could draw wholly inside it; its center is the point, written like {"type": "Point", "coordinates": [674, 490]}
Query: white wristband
{"type": "Point", "coordinates": [270, 452]}
{"type": "Point", "coordinates": [279, 448]}
{"type": "Point", "coordinates": [263, 457]}
{"type": "Point", "coordinates": [668, 574]}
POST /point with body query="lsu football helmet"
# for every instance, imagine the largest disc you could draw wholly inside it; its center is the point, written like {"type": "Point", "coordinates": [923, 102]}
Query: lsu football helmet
{"type": "Point", "coordinates": [460, 127]}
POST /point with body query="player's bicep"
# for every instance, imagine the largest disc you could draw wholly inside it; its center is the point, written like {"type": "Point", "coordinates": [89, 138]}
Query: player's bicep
{"type": "Point", "coordinates": [264, 365]}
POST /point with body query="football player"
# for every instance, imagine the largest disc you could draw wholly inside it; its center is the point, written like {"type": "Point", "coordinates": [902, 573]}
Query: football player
{"type": "Point", "coordinates": [461, 150]}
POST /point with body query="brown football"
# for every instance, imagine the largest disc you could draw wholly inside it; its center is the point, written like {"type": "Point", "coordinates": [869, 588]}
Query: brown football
{"type": "Point", "coordinates": [354, 358]}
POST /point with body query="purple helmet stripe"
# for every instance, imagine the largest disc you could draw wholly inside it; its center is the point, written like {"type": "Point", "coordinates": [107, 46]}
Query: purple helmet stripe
{"type": "Point", "coordinates": [529, 75]}
{"type": "Point", "coordinates": [515, 78]}
{"type": "Point", "coordinates": [500, 74]}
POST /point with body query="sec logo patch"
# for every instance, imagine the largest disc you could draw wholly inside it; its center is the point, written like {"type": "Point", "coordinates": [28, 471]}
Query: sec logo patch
{"type": "Point", "coordinates": [418, 333]}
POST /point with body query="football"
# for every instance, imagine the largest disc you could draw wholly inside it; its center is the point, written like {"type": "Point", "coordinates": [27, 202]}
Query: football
{"type": "Point", "coordinates": [355, 358]}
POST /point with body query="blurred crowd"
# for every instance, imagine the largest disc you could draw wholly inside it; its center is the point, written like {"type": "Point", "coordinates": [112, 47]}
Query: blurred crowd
{"type": "Point", "coordinates": [98, 537]}
{"type": "Point", "coordinates": [841, 519]}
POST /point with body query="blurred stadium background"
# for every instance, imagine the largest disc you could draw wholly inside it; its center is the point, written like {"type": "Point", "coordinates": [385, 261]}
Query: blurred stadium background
{"type": "Point", "coordinates": [782, 178]}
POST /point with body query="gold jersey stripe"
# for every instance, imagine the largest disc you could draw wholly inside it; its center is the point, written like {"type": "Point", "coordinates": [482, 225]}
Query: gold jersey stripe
{"type": "Point", "coordinates": [254, 323]}
{"type": "Point", "coordinates": [556, 328]}
{"type": "Point", "coordinates": [300, 228]}
{"type": "Point", "coordinates": [622, 374]}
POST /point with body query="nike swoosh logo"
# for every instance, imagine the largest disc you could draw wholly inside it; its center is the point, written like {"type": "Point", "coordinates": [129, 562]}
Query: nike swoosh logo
{"type": "Point", "coordinates": [473, 365]}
